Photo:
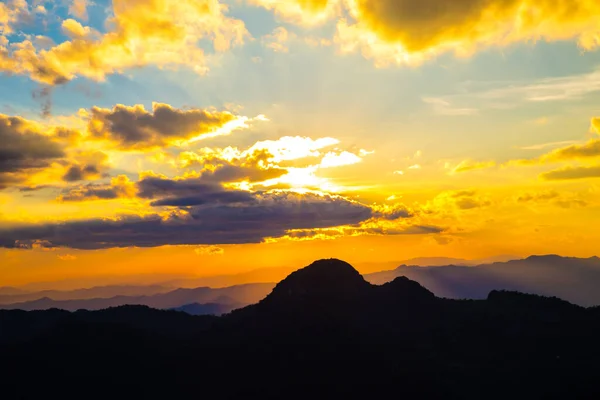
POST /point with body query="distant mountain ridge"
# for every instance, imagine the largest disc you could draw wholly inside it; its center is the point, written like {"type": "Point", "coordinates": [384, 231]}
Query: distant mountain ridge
{"type": "Point", "coordinates": [226, 298]}
{"type": "Point", "coordinates": [18, 296]}
{"type": "Point", "coordinates": [573, 279]}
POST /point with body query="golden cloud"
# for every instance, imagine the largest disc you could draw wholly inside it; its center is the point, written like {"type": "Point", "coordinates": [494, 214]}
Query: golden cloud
{"type": "Point", "coordinates": [11, 13]}
{"type": "Point", "coordinates": [596, 125]}
{"type": "Point", "coordinates": [589, 150]}
{"type": "Point", "coordinates": [469, 165]}
{"type": "Point", "coordinates": [571, 173]}
{"type": "Point", "coordinates": [305, 12]}
{"type": "Point", "coordinates": [164, 33]}
{"type": "Point", "coordinates": [409, 31]}
{"type": "Point", "coordinates": [75, 30]}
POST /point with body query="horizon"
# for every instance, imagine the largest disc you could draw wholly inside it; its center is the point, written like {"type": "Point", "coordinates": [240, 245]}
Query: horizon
{"type": "Point", "coordinates": [257, 134]}
{"type": "Point", "coordinates": [276, 273]}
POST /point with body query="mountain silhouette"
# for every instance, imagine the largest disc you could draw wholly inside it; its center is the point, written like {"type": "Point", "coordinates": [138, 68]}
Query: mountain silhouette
{"type": "Point", "coordinates": [322, 332]}
{"type": "Point", "coordinates": [323, 281]}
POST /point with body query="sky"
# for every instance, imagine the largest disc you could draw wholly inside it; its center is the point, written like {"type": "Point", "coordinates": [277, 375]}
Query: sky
{"type": "Point", "coordinates": [205, 137]}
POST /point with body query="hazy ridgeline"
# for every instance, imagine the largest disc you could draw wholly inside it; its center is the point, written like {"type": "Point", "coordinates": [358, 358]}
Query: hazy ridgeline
{"type": "Point", "coordinates": [573, 279]}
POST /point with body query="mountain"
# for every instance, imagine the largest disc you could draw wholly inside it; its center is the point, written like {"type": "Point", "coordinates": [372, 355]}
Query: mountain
{"type": "Point", "coordinates": [227, 298]}
{"type": "Point", "coordinates": [10, 291]}
{"type": "Point", "coordinates": [322, 332]}
{"type": "Point", "coordinates": [207, 309]}
{"type": "Point", "coordinates": [18, 296]}
{"type": "Point", "coordinates": [573, 279]}
{"type": "Point", "coordinates": [219, 281]}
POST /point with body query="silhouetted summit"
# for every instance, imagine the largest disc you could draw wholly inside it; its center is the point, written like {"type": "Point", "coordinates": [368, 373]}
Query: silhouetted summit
{"type": "Point", "coordinates": [322, 280]}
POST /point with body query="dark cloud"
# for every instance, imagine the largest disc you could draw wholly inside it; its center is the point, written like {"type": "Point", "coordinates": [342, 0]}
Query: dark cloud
{"type": "Point", "coordinates": [572, 173]}
{"type": "Point", "coordinates": [80, 172]}
{"type": "Point", "coordinates": [235, 173]}
{"type": "Point", "coordinates": [206, 189]}
{"type": "Point", "coordinates": [136, 128]}
{"type": "Point", "coordinates": [537, 196]}
{"type": "Point", "coordinates": [24, 150]}
{"type": "Point", "coordinates": [90, 191]}
{"type": "Point", "coordinates": [27, 189]}
{"type": "Point", "coordinates": [44, 96]}
{"type": "Point", "coordinates": [119, 187]}
{"type": "Point", "coordinates": [392, 213]}
{"type": "Point", "coordinates": [189, 192]}
{"type": "Point", "coordinates": [269, 215]}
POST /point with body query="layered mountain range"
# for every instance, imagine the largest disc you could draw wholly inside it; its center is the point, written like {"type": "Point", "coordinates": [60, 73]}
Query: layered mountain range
{"type": "Point", "coordinates": [322, 332]}
{"type": "Point", "coordinates": [573, 279]}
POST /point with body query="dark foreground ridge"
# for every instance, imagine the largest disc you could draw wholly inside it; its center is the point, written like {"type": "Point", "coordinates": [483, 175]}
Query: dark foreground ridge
{"type": "Point", "coordinates": [323, 332]}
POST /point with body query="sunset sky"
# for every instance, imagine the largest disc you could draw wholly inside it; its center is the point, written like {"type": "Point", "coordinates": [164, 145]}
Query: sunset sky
{"type": "Point", "coordinates": [200, 137]}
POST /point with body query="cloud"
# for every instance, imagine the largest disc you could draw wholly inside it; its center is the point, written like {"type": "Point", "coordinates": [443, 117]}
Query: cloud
{"type": "Point", "coordinates": [164, 33]}
{"type": "Point", "coordinates": [303, 12]}
{"type": "Point", "coordinates": [75, 30]}
{"type": "Point", "coordinates": [277, 41]}
{"type": "Point", "coordinates": [332, 160]}
{"type": "Point", "coordinates": [209, 251]}
{"type": "Point", "coordinates": [589, 150]}
{"type": "Point", "coordinates": [81, 172]}
{"type": "Point", "coordinates": [272, 214]}
{"type": "Point", "coordinates": [78, 9]}
{"type": "Point", "coordinates": [285, 162]}
{"type": "Point", "coordinates": [24, 150]}
{"type": "Point", "coordinates": [370, 228]}
{"type": "Point", "coordinates": [563, 200]}
{"type": "Point", "coordinates": [542, 146]}
{"type": "Point", "coordinates": [443, 107]}
{"type": "Point", "coordinates": [11, 13]}
{"type": "Point", "coordinates": [570, 173]}
{"type": "Point", "coordinates": [408, 32]}
{"type": "Point", "coordinates": [134, 128]}
{"type": "Point", "coordinates": [119, 187]}
{"type": "Point", "coordinates": [189, 192]}
{"type": "Point", "coordinates": [596, 125]}
{"type": "Point", "coordinates": [86, 166]}
{"type": "Point", "coordinates": [461, 200]}
{"type": "Point", "coordinates": [470, 165]}
{"type": "Point", "coordinates": [537, 196]}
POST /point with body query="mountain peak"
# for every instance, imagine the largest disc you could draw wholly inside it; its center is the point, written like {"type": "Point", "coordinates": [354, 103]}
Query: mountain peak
{"type": "Point", "coordinates": [325, 280]}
